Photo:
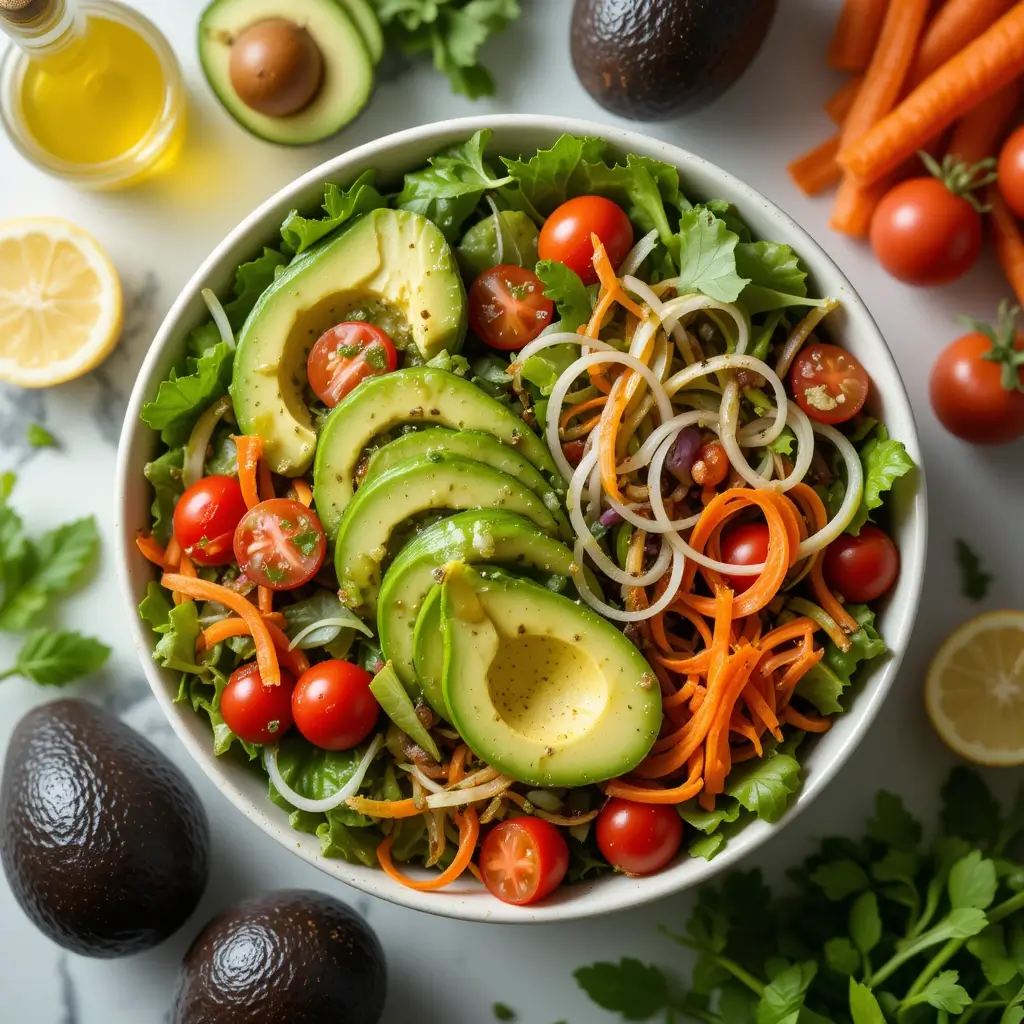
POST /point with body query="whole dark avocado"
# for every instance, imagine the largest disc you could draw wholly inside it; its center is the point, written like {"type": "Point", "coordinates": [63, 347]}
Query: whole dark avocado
{"type": "Point", "coordinates": [654, 59]}
{"type": "Point", "coordinates": [103, 840]}
{"type": "Point", "coordinates": [295, 955]}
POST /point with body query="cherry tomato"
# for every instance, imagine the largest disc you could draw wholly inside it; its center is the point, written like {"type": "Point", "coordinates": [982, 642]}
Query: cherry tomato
{"type": "Point", "coordinates": [968, 394]}
{"type": "Point", "coordinates": [565, 237]}
{"type": "Point", "coordinates": [828, 383]}
{"type": "Point", "coordinates": [507, 307]}
{"type": "Point", "coordinates": [523, 860]}
{"type": "Point", "coordinates": [254, 712]}
{"type": "Point", "coordinates": [924, 234]}
{"type": "Point", "coordinates": [346, 355]}
{"type": "Point", "coordinates": [333, 706]}
{"type": "Point", "coordinates": [638, 839]}
{"type": "Point", "coordinates": [280, 544]}
{"type": "Point", "coordinates": [744, 544]}
{"type": "Point", "coordinates": [205, 519]}
{"type": "Point", "coordinates": [1011, 172]}
{"type": "Point", "coordinates": [862, 568]}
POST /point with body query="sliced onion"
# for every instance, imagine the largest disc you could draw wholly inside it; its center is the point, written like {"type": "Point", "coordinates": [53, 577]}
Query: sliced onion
{"type": "Point", "coordinates": [638, 254]}
{"type": "Point", "coordinates": [498, 233]}
{"type": "Point", "coordinates": [199, 440]}
{"type": "Point", "coordinates": [617, 614]}
{"type": "Point", "coordinates": [851, 501]}
{"type": "Point", "coordinates": [478, 778]}
{"type": "Point", "coordinates": [559, 338]}
{"type": "Point", "coordinates": [674, 310]}
{"type": "Point", "coordinates": [423, 779]}
{"type": "Point", "coordinates": [220, 318]}
{"type": "Point", "coordinates": [696, 417]}
{"type": "Point", "coordinates": [328, 803]}
{"type": "Point", "coordinates": [459, 797]}
{"type": "Point", "coordinates": [799, 335]}
{"type": "Point", "coordinates": [353, 622]}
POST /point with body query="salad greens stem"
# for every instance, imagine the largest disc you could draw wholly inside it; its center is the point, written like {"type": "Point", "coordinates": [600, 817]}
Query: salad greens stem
{"type": "Point", "coordinates": [740, 974]}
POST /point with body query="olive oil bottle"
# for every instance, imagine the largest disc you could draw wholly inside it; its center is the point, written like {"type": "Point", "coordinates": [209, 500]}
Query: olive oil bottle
{"type": "Point", "coordinates": [90, 92]}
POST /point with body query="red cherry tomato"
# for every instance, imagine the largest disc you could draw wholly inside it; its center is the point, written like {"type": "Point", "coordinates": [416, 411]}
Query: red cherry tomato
{"type": "Point", "coordinates": [333, 706]}
{"type": "Point", "coordinates": [968, 395]}
{"type": "Point", "coordinates": [254, 712]}
{"type": "Point", "coordinates": [638, 839]}
{"type": "Point", "coordinates": [565, 237]}
{"type": "Point", "coordinates": [205, 519]}
{"type": "Point", "coordinates": [280, 544]}
{"type": "Point", "coordinates": [862, 568]}
{"type": "Point", "coordinates": [523, 860]}
{"type": "Point", "coordinates": [507, 307]}
{"type": "Point", "coordinates": [1011, 172]}
{"type": "Point", "coordinates": [744, 544]}
{"type": "Point", "coordinates": [346, 355]}
{"type": "Point", "coordinates": [924, 234]}
{"type": "Point", "coordinates": [828, 383]}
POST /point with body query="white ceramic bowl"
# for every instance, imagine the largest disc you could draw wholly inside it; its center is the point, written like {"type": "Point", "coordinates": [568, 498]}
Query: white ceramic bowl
{"type": "Point", "coordinates": [516, 134]}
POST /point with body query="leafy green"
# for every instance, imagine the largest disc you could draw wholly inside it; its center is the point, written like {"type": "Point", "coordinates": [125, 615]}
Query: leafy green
{"type": "Point", "coordinates": [865, 922]}
{"type": "Point", "coordinates": [176, 648]}
{"type": "Point", "coordinates": [197, 690]}
{"type": "Point", "coordinates": [707, 257]}
{"type": "Point", "coordinates": [398, 706]}
{"type": "Point", "coordinates": [544, 368]}
{"type": "Point", "coordinates": [39, 437]}
{"type": "Point", "coordinates": [764, 785]}
{"type": "Point", "coordinates": [884, 462]}
{"type": "Point", "coordinates": [841, 878]}
{"type": "Point", "coordinates": [570, 296]}
{"type": "Point", "coordinates": [776, 277]}
{"type": "Point", "coordinates": [52, 658]}
{"type": "Point", "coordinates": [326, 609]}
{"type": "Point", "coordinates": [164, 476]}
{"type": "Point", "coordinates": [316, 774]}
{"type": "Point", "coordinates": [340, 206]}
{"type": "Point", "coordinates": [155, 608]}
{"type": "Point", "coordinates": [864, 1008]}
{"type": "Point", "coordinates": [974, 580]}
{"type": "Point", "coordinates": [251, 281]}
{"type": "Point", "coordinates": [635, 990]}
{"type": "Point", "coordinates": [502, 1012]}
{"type": "Point", "coordinates": [784, 997]}
{"type": "Point", "coordinates": [479, 249]}
{"type": "Point", "coordinates": [972, 882]}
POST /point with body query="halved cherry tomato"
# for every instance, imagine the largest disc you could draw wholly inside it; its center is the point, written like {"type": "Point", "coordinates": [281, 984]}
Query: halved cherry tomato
{"type": "Point", "coordinates": [508, 308]}
{"type": "Point", "coordinates": [346, 355]}
{"type": "Point", "coordinates": [638, 839]}
{"type": "Point", "coordinates": [744, 544]}
{"type": "Point", "coordinates": [862, 568]}
{"type": "Point", "coordinates": [1011, 172]}
{"type": "Point", "coordinates": [333, 706]}
{"type": "Point", "coordinates": [925, 234]}
{"type": "Point", "coordinates": [205, 519]}
{"type": "Point", "coordinates": [523, 860]}
{"type": "Point", "coordinates": [280, 544]}
{"type": "Point", "coordinates": [254, 712]}
{"type": "Point", "coordinates": [828, 383]}
{"type": "Point", "coordinates": [565, 237]}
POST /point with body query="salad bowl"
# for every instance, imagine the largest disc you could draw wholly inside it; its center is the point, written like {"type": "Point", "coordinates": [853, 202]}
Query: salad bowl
{"type": "Point", "coordinates": [852, 326]}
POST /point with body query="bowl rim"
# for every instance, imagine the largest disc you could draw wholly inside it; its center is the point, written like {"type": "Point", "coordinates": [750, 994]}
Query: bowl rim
{"type": "Point", "coordinates": [585, 899]}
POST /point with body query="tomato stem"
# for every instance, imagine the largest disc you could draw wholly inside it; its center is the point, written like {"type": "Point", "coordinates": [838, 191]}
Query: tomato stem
{"type": "Point", "coordinates": [1004, 344]}
{"type": "Point", "coordinates": [960, 178]}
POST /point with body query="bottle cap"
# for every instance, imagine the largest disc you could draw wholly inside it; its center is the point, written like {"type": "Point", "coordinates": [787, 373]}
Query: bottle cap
{"type": "Point", "coordinates": [23, 12]}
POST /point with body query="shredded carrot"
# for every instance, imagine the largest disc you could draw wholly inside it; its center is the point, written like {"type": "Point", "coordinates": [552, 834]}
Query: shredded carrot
{"type": "Point", "coordinates": [805, 722]}
{"type": "Point", "coordinates": [658, 795]}
{"type": "Point", "coordinates": [980, 69]}
{"type": "Point", "coordinates": [469, 832]}
{"type": "Point", "coordinates": [265, 481]}
{"type": "Point", "coordinates": [575, 410]}
{"type": "Point", "coordinates": [384, 808]}
{"type": "Point", "coordinates": [1009, 243]}
{"type": "Point", "coordinates": [759, 706]}
{"type": "Point", "coordinates": [249, 449]}
{"type": "Point", "coordinates": [265, 600]}
{"type": "Point", "coordinates": [979, 133]}
{"type": "Point", "coordinates": [303, 493]}
{"type": "Point", "coordinates": [295, 661]}
{"type": "Point", "coordinates": [856, 34]}
{"type": "Point", "coordinates": [717, 761]}
{"type": "Point", "coordinates": [172, 556]}
{"type": "Point", "coordinates": [809, 657]}
{"type": "Point", "coordinates": [817, 168]}
{"type": "Point", "coordinates": [203, 590]}
{"type": "Point", "coordinates": [609, 282]}
{"type": "Point", "coordinates": [150, 548]}
{"type": "Point", "coordinates": [457, 768]}
{"type": "Point", "coordinates": [838, 105]}
{"type": "Point", "coordinates": [956, 23]}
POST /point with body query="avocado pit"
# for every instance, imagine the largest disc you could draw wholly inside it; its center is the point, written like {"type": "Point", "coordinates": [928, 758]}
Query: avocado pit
{"type": "Point", "coordinates": [276, 67]}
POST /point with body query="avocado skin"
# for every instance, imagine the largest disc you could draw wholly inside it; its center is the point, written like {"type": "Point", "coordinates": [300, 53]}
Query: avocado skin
{"type": "Point", "coordinates": [655, 59]}
{"type": "Point", "coordinates": [294, 955]}
{"type": "Point", "coordinates": [103, 840]}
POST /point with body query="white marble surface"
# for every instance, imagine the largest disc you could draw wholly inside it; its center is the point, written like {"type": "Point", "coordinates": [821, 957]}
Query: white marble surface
{"type": "Point", "coordinates": [442, 970]}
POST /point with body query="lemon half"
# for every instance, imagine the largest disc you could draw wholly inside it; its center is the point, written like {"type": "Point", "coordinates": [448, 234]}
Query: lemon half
{"type": "Point", "coordinates": [60, 302]}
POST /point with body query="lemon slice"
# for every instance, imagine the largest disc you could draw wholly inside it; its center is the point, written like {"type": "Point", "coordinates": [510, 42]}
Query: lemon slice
{"type": "Point", "coordinates": [60, 302]}
{"type": "Point", "coordinates": [974, 692]}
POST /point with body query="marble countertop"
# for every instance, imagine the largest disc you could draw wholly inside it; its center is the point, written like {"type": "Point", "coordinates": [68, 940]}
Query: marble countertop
{"type": "Point", "coordinates": [159, 233]}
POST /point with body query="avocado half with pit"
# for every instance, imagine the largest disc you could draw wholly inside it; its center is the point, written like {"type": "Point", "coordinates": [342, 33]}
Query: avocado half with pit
{"type": "Point", "coordinates": [395, 263]}
{"type": "Point", "coordinates": [540, 687]}
{"type": "Point", "coordinates": [290, 71]}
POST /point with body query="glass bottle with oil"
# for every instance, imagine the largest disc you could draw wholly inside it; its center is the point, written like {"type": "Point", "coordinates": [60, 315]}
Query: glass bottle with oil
{"type": "Point", "coordinates": [90, 92]}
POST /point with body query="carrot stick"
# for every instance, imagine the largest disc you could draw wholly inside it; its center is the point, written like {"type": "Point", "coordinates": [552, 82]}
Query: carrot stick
{"type": "Point", "coordinates": [172, 555]}
{"type": "Point", "coordinates": [265, 600]}
{"type": "Point", "coordinates": [956, 23]}
{"type": "Point", "coordinates": [384, 808]}
{"type": "Point", "coordinates": [981, 68]}
{"type": "Point", "coordinates": [150, 549]}
{"type": "Point", "coordinates": [457, 768]}
{"type": "Point", "coordinates": [575, 410]}
{"type": "Point", "coordinates": [203, 590]}
{"type": "Point", "coordinates": [856, 34]}
{"type": "Point", "coordinates": [838, 105]}
{"type": "Point", "coordinates": [805, 722]}
{"type": "Point", "coordinates": [294, 660]}
{"type": "Point", "coordinates": [249, 449]}
{"type": "Point", "coordinates": [265, 484]}
{"type": "Point", "coordinates": [979, 133]}
{"type": "Point", "coordinates": [817, 168]}
{"type": "Point", "coordinates": [469, 832]}
{"type": "Point", "coordinates": [303, 493]}
{"type": "Point", "coordinates": [1009, 243]}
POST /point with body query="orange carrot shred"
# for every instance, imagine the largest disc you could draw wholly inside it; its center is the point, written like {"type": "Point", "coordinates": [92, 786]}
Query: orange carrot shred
{"type": "Point", "coordinates": [469, 832]}
{"type": "Point", "coordinates": [150, 549]}
{"type": "Point", "coordinates": [303, 492]}
{"type": "Point", "coordinates": [249, 449]}
{"type": "Point", "coordinates": [265, 600]}
{"type": "Point", "coordinates": [384, 808]}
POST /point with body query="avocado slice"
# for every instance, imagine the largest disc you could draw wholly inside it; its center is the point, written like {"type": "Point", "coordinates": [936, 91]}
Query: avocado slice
{"type": "Point", "coordinates": [540, 687]}
{"type": "Point", "coordinates": [428, 651]}
{"type": "Point", "coordinates": [366, 21]}
{"type": "Point", "coordinates": [490, 536]}
{"type": "Point", "coordinates": [391, 260]}
{"type": "Point", "coordinates": [472, 444]}
{"type": "Point", "coordinates": [412, 487]}
{"type": "Point", "coordinates": [347, 66]}
{"type": "Point", "coordinates": [419, 394]}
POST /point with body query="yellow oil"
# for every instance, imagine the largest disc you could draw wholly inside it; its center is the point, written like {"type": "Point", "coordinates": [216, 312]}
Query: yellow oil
{"type": "Point", "coordinates": [97, 100]}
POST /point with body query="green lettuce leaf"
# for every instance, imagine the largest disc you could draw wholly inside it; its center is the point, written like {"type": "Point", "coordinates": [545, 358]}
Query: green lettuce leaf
{"type": "Point", "coordinates": [479, 250]}
{"type": "Point", "coordinates": [176, 648]}
{"type": "Point", "coordinates": [340, 206]}
{"type": "Point", "coordinates": [884, 462]}
{"type": "Point", "coordinates": [164, 476]}
{"type": "Point", "coordinates": [569, 294]}
{"type": "Point", "coordinates": [155, 608]}
{"type": "Point", "coordinates": [707, 257]}
{"type": "Point", "coordinates": [316, 774]}
{"type": "Point", "coordinates": [251, 281]}
{"type": "Point", "coordinates": [205, 696]}
{"type": "Point", "coordinates": [777, 278]}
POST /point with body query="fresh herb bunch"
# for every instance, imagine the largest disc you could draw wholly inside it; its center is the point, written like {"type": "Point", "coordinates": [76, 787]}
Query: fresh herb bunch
{"type": "Point", "coordinates": [32, 576]}
{"type": "Point", "coordinates": [885, 929]}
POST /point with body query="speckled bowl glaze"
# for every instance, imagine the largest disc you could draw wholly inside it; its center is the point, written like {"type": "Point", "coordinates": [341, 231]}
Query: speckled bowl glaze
{"type": "Point", "coordinates": [515, 134]}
